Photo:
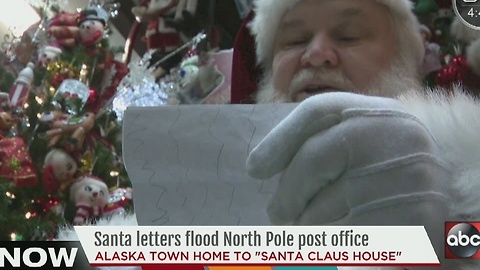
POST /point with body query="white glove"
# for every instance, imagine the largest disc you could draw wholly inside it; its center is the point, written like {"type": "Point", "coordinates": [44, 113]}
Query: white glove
{"type": "Point", "coordinates": [349, 159]}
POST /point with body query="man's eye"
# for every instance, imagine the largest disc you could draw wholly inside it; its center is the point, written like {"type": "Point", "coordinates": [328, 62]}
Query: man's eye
{"type": "Point", "coordinates": [348, 38]}
{"type": "Point", "coordinates": [295, 42]}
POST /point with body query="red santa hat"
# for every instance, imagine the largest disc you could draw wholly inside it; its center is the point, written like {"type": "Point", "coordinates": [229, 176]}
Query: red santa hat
{"type": "Point", "coordinates": [263, 25]}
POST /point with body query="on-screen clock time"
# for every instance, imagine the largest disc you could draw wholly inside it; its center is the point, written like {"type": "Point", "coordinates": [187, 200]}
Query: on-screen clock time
{"type": "Point", "coordinates": [468, 11]}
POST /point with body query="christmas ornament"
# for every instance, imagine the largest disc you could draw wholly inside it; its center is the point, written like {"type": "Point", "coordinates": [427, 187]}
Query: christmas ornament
{"type": "Point", "coordinates": [118, 200]}
{"type": "Point", "coordinates": [22, 86]}
{"type": "Point", "coordinates": [51, 204]}
{"type": "Point", "coordinates": [92, 99]}
{"type": "Point", "coordinates": [77, 127]}
{"type": "Point", "coordinates": [470, 38]}
{"type": "Point", "coordinates": [16, 163]}
{"type": "Point", "coordinates": [59, 71]}
{"type": "Point", "coordinates": [160, 37]}
{"type": "Point", "coordinates": [87, 162]}
{"type": "Point", "coordinates": [64, 18]}
{"type": "Point", "coordinates": [48, 54]}
{"type": "Point", "coordinates": [138, 88]}
{"type": "Point", "coordinates": [468, 43]}
{"type": "Point", "coordinates": [92, 23]}
{"type": "Point", "coordinates": [188, 71]}
{"type": "Point", "coordinates": [72, 96]}
{"type": "Point", "coordinates": [455, 72]}
{"type": "Point", "coordinates": [149, 93]}
{"type": "Point", "coordinates": [59, 167]}
{"type": "Point", "coordinates": [114, 72]}
{"type": "Point", "coordinates": [198, 77]}
{"type": "Point", "coordinates": [90, 195]}
{"type": "Point", "coordinates": [63, 29]}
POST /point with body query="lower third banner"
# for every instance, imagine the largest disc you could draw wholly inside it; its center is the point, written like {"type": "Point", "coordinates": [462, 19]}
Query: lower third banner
{"type": "Point", "coordinates": [258, 246]}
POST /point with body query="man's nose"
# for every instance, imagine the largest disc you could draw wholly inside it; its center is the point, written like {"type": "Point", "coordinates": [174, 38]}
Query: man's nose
{"type": "Point", "coordinates": [320, 52]}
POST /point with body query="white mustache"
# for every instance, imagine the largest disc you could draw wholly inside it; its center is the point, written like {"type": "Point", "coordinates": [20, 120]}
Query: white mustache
{"type": "Point", "coordinates": [330, 78]}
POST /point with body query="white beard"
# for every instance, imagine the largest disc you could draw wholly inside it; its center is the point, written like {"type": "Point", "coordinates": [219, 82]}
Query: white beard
{"type": "Point", "coordinates": [391, 83]}
{"type": "Point", "coordinates": [267, 92]}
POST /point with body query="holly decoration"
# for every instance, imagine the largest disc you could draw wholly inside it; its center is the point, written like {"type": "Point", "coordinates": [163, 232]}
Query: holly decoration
{"type": "Point", "coordinates": [456, 71]}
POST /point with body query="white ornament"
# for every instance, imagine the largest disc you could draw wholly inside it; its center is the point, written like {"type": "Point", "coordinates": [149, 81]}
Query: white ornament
{"type": "Point", "coordinates": [90, 195]}
{"type": "Point", "coordinates": [139, 89]}
{"type": "Point", "coordinates": [62, 164]}
{"type": "Point", "coordinates": [48, 54]}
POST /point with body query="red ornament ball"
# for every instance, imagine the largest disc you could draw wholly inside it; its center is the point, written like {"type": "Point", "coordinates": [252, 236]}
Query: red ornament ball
{"type": "Point", "coordinates": [92, 100]}
{"type": "Point", "coordinates": [455, 72]}
{"type": "Point", "coordinates": [57, 79]}
{"type": "Point", "coordinates": [50, 205]}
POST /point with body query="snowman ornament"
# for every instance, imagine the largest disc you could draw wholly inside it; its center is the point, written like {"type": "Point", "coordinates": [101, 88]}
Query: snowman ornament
{"type": "Point", "coordinates": [48, 54]}
{"type": "Point", "coordinates": [90, 195]}
{"type": "Point", "coordinates": [59, 168]}
{"type": "Point", "coordinates": [92, 25]}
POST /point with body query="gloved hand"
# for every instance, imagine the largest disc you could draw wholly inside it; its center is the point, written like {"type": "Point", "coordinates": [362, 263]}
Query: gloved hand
{"type": "Point", "coordinates": [349, 159]}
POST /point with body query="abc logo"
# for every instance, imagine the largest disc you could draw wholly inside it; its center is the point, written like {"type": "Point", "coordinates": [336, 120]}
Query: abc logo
{"type": "Point", "coordinates": [463, 240]}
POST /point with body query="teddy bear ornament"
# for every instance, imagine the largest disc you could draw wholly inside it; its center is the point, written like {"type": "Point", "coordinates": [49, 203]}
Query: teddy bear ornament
{"type": "Point", "coordinates": [90, 195]}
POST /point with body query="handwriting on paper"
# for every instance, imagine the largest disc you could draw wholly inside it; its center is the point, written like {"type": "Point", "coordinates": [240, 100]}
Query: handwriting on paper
{"type": "Point", "coordinates": [187, 163]}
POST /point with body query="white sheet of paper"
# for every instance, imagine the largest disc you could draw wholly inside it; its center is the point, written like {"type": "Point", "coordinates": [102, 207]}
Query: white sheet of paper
{"type": "Point", "coordinates": [187, 163]}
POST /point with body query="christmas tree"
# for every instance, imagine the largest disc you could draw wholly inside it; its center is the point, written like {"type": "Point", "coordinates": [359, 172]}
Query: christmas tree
{"type": "Point", "coordinates": [450, 47]}
{"type": "Point", "coordinates": [60, 141]}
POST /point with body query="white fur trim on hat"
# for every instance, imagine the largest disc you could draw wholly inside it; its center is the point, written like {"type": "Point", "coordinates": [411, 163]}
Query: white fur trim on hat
{"type": "Point", "coordinates": [52, 49]}
{"type": "Point", "coordinates": [268, 14]}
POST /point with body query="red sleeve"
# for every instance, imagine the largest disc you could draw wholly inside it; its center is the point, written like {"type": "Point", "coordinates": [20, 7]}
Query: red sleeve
{"type": "Point", "coordinates": [245, 71]}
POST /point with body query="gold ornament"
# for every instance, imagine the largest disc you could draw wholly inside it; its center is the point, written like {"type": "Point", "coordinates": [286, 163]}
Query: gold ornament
{"type": "Point", "coordinates": [62, 68]}
{"type": "Point", "coordinates": [86, 162]}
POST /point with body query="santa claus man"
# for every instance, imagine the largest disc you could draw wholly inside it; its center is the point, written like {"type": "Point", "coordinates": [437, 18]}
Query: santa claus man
{"type": "Point", "coordinates": [367, 144]}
